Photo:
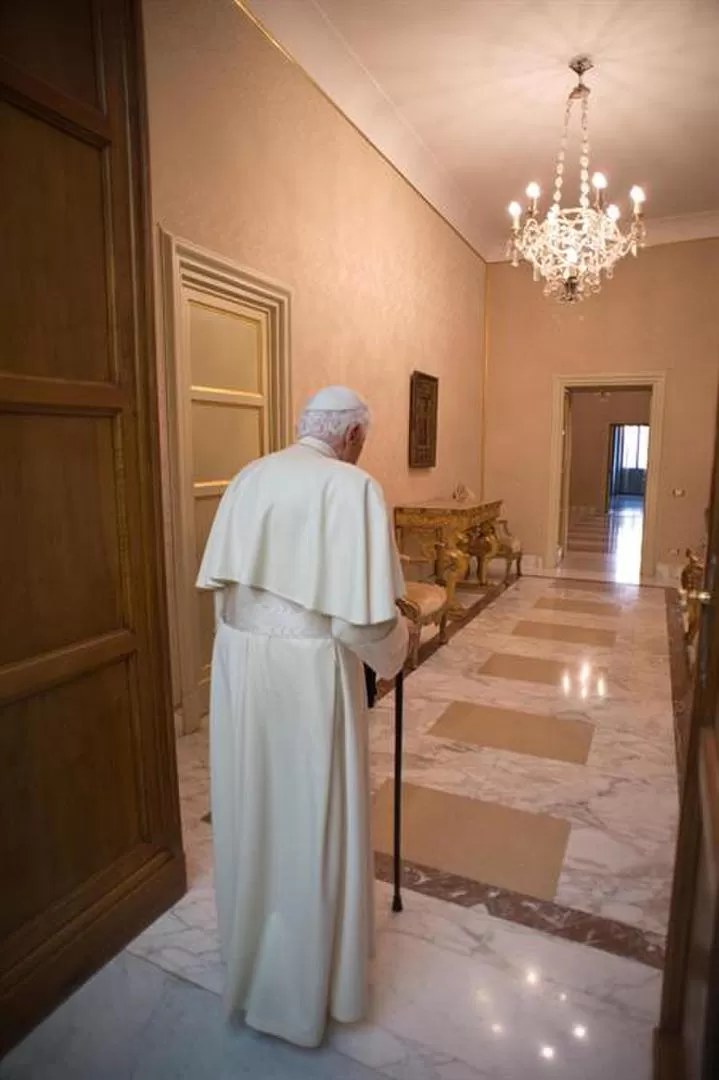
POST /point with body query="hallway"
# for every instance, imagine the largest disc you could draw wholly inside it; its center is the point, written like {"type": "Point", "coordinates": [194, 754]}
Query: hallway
{"type": "Point", "coordinates": [609, 545]}
{"type": "Point", "coordinates": [549, 717]}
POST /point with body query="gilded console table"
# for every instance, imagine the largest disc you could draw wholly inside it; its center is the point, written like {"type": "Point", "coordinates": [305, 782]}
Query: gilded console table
{"type": "Point", "coordinates": [447, 523]}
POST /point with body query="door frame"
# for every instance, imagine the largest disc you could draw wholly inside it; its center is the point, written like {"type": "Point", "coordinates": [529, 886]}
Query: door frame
{"type": "Point", "coordinates": [183, 265]}
{"type": "Point", "coordinates": [609, 469]}
{"type": "Point", "coordinates": [654, 381]}
{"type": "Point", "coordinates": [566, 478]}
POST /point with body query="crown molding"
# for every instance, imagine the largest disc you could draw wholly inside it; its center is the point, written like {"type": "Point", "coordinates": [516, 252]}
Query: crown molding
{"type": "Point", "coordinates": [301, 30]}
{"type": "Point", "coordinates": [678, 230]}
{"type": "Point", "coordinates": [304, 34]}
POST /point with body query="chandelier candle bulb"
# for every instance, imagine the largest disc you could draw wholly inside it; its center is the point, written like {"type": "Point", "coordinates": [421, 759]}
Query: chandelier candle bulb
{"type": "Point", "coordinates": [637, 196]}
{"type": "Point", "coordinates": [599, 183]}
{"type": "Point", "coordinates": [573, 248]}
{"type": "Point", "coordinates": [533, 191]}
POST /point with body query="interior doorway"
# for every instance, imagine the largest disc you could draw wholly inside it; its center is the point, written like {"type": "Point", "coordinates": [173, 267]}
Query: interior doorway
{"type": "Point", "coordinates": [606, 465]}
{"type": "Point", "coordinates": [603, 500]}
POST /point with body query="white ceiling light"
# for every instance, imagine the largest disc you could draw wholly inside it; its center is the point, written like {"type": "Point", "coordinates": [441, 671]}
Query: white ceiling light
{"type": "Point", "coordinates": [572, 248]}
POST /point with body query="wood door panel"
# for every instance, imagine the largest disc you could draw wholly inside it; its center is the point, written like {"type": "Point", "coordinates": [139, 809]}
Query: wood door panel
{"type": "Point", "coordinates": [226, 348]}
{"type": "Point", "coordinates": [698, 968]}
{"type": "Point", "coordinates": [53, 42]}
{"type": "Point", "coordinates": [93, 938]}
{"type": "Point", "coordinates": [90, 841]}
{"type": "Point", "coordinates": [225, 438]}
{"type": "Point", "coordinates": [41, 673]}
{"type": "Point", "coordinates": [54, 306]}
{"type": "Point", "coordinates": [63, 834]}
{"type": "Point", "coordinates": [206, 507]}
{"type": "Point", "coordinates": [61, 557]}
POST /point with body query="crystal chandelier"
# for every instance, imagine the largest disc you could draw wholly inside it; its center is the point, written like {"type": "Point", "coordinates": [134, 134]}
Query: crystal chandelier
{"type": "Point", "coordinates": [570, 249]}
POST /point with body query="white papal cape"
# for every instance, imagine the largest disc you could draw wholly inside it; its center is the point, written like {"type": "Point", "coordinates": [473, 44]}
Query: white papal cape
{"type": "Point", "coordinates": [307, 574]}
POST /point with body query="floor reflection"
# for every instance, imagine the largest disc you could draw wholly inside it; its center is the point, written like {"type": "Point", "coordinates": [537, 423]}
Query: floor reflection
{"type": "Point", "coordinates": [608, 544]}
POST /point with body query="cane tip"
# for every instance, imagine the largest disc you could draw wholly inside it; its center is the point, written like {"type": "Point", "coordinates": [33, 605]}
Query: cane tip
{"type": "Point", "coordinates": [397, 904]}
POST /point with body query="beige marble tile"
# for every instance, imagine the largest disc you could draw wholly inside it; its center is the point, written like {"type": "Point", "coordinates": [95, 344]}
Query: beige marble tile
{"type": "Point", "coordinates": [533, 669]}
{"type": "Point", "coordinates": [574, 635]}
{"type": "Point", "coordinates": [586, 585]}
{"type": "Point", "coordinates": [559, 738]}
{"type": "Point", "coordinates": [483, 841]}
{"type": "Point", "coordinates": [578, 607]}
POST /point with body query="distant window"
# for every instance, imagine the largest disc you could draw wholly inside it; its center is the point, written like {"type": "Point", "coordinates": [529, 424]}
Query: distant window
{"type": "Point", "coordinates": [635, 448]}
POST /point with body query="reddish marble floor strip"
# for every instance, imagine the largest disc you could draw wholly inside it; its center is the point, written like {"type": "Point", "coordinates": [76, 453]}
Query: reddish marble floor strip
{"type": "Point", "coordinates": [551, 918]}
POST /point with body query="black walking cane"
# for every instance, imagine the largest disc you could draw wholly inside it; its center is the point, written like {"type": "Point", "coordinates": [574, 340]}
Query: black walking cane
{"type": "Point", "coordinates": [398, 724]}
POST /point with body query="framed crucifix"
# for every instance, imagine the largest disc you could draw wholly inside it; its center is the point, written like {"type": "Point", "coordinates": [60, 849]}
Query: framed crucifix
{"type": "Point", "coordinates": [423, 404]}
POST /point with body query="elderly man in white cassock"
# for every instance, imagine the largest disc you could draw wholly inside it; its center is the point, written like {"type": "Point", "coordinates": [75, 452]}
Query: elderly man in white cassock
{"type": "Point", "coordinates": [306, 575]}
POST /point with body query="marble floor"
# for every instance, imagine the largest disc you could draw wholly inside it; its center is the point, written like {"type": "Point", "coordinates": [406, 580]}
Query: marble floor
{"type": "Point", "coordinates": [622, 805]}
{"type": "Point", "coordinates": [471, 982]}
{"type": "Point", "coordinates": [458, 995]}
{"type": "Point", "coordinates": [134, 1021]}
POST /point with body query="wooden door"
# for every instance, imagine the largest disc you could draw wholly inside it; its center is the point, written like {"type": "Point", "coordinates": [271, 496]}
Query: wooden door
{"type": "Point", "coordinates": [90, 843]}
{"type": "Point", "coordinates": [226, 349]}
{"type": "Point", "coordinates": [687, 1042]}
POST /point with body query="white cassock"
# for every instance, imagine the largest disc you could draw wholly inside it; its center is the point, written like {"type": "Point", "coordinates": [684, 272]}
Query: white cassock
{"type": "Point", "coordinates": [304, 559]}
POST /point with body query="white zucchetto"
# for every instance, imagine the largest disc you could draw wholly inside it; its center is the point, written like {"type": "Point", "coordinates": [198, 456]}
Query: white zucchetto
{"type": "Point", "coordinates": [335, 399]}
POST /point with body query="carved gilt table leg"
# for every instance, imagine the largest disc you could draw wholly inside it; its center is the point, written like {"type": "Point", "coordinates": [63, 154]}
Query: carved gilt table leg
{"type": "Point", "coordinates": [452, 567]}
{"type": "Point", "coordinates": [491, 552]}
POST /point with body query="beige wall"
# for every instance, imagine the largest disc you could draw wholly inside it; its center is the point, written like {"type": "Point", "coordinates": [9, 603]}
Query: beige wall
{"type": "Point", "coordinates": [659, 314]}
{"type": "Point", "coordinates": [592, 416]}
{"type": "Point", "coordinates": [249, 160]}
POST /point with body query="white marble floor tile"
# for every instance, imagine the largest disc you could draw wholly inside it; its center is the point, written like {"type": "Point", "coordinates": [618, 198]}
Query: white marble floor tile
{"type": "Point", "coordinates": [459, 994]}
{"type": "Point", "coordinates": [133, 1021]}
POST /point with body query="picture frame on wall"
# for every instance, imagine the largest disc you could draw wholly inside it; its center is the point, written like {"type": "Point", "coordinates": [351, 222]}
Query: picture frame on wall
{"type": "Point", "coordinates": [423, 412]}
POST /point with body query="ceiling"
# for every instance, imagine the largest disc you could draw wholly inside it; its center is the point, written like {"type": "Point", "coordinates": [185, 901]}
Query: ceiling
{"type": "Point", "coordinates": [466, 97]}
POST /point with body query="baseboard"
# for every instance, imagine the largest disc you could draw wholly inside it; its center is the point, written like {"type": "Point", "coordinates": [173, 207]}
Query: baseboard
{"type": "Point", "coordinates": [532, 564]}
